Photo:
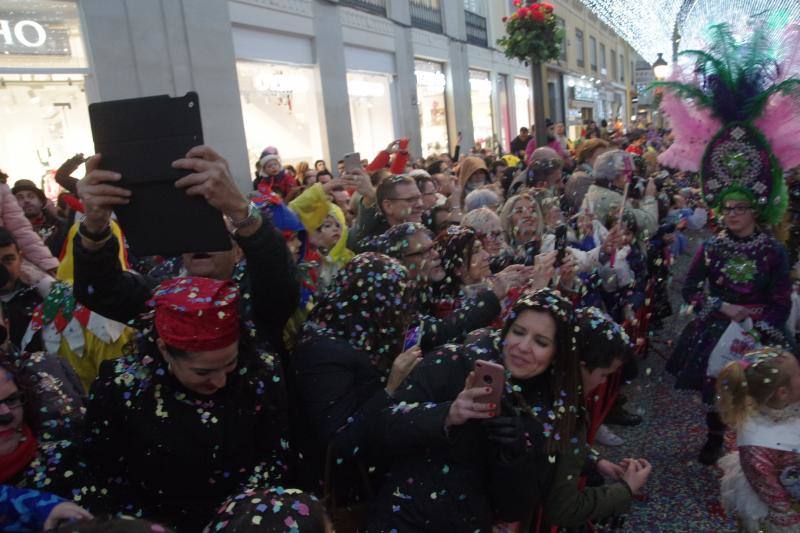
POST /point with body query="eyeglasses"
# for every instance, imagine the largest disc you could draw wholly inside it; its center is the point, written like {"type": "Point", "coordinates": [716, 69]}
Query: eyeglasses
{"type": "Point", "coordinates": [738, 209]}
{"type": "Point", "coordinates": [494, 235]}
{"type": "Point", "coordinates": [420, 253]}
{"type": "Point", "coordinates": [15, 400]}
{"type": "Point", "coordinates": [410, 199]}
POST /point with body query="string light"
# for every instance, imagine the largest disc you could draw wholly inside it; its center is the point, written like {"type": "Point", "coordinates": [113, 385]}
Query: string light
{"type": "Point", "coordinates": [649, 26]}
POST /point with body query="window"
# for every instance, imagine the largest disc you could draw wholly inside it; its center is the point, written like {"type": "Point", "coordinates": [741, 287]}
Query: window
{"type": "Point", "coordinates": [593, 53]}
{"type": "Point", "coordinates": [370, 110]}
{"type": "Point", "coordinates": [480, 93]}
{"type": "Point", "coordinates": [563, 26]}
{"type": "Point", "coordinates": [280, 102]}
{"type": "Point", "coordinates": [431, 83]}
{"type": "Point", "coordinates": [613, 65]}
{"type": "Point", "coordinates": [579, 52]}
{"type": "Point", "coordinates": [522, 103]}
{"type": "Point", "coordinates": [622, 68]}
{"type": "Point", "coordinates": [603, 59]}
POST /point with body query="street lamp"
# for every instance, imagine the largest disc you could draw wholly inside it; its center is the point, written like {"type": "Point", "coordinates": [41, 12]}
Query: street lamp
{"type": "Point", "coordinates": [660, 68]}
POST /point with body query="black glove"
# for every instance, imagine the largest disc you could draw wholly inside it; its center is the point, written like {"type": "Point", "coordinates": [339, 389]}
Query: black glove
{"type": "Point", "coordinates": [514, 436]}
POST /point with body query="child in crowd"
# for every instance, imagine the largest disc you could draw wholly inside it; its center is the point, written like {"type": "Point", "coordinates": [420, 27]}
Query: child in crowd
{"type": "Point", "coordinates": [759, 396]}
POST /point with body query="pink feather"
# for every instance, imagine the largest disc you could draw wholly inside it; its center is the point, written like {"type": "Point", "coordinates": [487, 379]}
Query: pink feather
{"type": "Point", "coordinates": [693, 127]}
{"type": "Point", "coordinates": [780, 125]}
{"type": "Point", "coordinates": [790, 49]}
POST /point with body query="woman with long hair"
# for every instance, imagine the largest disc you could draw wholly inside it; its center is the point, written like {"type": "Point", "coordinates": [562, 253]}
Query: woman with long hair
{"type": "Point", "coordinates": [463, 464]}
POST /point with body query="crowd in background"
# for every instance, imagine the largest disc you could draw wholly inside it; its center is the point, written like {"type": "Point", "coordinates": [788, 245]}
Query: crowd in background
{"type": "Point", "coordinates": [326, 370]}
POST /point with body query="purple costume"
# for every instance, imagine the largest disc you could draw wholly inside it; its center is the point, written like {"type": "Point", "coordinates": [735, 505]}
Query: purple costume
{"type": "Point", "coordinates": [752, 272]}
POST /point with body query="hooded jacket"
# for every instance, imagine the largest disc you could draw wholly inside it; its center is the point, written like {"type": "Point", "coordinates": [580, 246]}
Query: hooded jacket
{"type": "Point", "coordinates": [466, 169]}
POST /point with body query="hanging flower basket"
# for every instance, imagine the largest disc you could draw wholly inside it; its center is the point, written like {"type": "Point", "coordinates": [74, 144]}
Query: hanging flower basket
{"type": "Point", "coordinates": [533, 33]}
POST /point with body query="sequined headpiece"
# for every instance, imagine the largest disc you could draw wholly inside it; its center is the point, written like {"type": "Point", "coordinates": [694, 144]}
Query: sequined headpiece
{"type": "Point", "coordinates": [735, 116]}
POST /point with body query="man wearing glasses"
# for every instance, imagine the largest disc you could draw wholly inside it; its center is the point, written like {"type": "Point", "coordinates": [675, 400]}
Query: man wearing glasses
{"type": "Point", "coordinates": [397, 200]}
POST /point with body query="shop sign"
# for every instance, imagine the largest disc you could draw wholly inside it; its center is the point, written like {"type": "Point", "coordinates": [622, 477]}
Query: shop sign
{"type": "Point", "coordinates": [433, 80]}
{"type": "Point", "coordinates": [587, 94]}
{"type": "Point", "coordinates": [25, 36]}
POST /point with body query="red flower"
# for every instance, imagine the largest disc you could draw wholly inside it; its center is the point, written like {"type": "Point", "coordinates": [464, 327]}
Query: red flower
{"type": "Point", "coordinates": [505, 19]}
{"type": "Point", "coordinates": [516, 3]}
{"type": "Point", "coordinates": [548, 8]}
{"type": "Point", "coordinates": [538, 16]}
{"type": "Point", "coordinates": [523, 12]}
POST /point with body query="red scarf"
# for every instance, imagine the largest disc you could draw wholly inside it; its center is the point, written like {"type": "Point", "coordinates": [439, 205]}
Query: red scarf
{"type": "Point", "coordinates": [14, 462]}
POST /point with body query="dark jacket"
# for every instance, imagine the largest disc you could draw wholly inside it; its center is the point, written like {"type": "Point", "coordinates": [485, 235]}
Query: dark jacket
{"type": "Point", "coordinates": [174, 455]}
{"type": "Point", "coordinates": [570, 506]}
{"type": "Point", "coordinates": [18, 310]}
{"type": "Point", "coordinates": [459, 480]}
{"type": "Point", "coordinates": [473, 314]}
{"type": "Point", "coordinates": [270, 287]}
{"type": "Point", "coordinates": [53, 232]}
{"type": "Point", "coordinates": [519, 145]}
{"type": "Point", "coordinates": [340, 392]}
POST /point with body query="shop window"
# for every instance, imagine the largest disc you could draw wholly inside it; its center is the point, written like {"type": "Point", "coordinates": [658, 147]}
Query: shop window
{"type": "Point", "coordinates": [431, 84]}
{"type": "Point", "coordinates": [480, 92]}
{"type": "Point", "coordinates": [370, 112]}
{"type": "Point", "coordinates": [522, 103]}
{"type": "Point", "coordinates": [280, 108]}
{"type": "Point", "coordinates": [45, 115]}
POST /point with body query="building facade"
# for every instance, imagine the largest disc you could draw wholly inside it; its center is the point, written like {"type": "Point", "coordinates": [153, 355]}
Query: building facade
{"type": "Point", "coordinates": [315, 78]}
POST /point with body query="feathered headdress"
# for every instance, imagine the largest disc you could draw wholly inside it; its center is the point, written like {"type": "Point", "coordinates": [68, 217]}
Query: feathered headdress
{"type": "Point", "coordinates": [736, 117]}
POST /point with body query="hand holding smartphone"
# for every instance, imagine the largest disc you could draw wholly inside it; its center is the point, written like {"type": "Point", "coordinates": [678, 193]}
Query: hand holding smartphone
{"type": "Point", "coordinates": [352, 162]}
{"type": "Point", "coordinates": [492, 376]}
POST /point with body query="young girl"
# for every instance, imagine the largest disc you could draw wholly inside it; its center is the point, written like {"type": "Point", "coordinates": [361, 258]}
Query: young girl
{"type": "Point", "coordinates": [759, 395]}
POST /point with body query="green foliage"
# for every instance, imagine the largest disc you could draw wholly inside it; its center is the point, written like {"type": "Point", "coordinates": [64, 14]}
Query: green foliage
{"type": "Point", "coordinates": [533, 33]}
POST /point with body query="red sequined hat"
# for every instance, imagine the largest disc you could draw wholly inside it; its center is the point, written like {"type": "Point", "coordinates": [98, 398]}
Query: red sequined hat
{"type": "Point", "coordinates": [197, 314]}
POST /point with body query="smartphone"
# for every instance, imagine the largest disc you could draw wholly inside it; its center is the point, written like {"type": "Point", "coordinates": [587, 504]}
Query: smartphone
{"type": "Point", "coordinates": [493, 376]}
{"type": "Point", "coordinates": [561, 244]}
{"type": "Point", "coordinates": [413, 336]}
{"type": "Point", "coordinates": [352, 162]}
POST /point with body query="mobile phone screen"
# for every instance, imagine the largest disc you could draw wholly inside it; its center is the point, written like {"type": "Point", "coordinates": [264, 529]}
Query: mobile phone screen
{"type": "Point", "coordinates": [413, 337]}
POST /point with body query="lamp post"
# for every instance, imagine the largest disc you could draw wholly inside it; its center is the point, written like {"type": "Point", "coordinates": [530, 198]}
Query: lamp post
{"type": "Point", "coordinates": [660, 71]}
{"type": "Point", "coordinates": [660, 68]}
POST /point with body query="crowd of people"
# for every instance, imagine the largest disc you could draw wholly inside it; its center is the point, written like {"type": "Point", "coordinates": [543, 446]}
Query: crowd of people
{"type": "Point", "coordinates": [403, 344]}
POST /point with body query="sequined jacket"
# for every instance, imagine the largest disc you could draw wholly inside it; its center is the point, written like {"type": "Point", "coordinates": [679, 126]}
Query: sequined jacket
{"type": "Point", "coordinates": [763, 468]}
{"type": "Point", "coordinates": [753, 272]}
{"type": "Point", "coordinates": [153, 446]}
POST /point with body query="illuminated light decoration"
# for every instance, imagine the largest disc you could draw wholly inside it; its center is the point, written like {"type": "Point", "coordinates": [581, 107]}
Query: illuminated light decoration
{"type": "Point", "coordinates": [649, 26]}
{"type": "Point", "coordinates": [480, 85]}
{"type": "Point", "coordinates": [661, 68]}
{"type": "Point", "coordinates": [430, 80]}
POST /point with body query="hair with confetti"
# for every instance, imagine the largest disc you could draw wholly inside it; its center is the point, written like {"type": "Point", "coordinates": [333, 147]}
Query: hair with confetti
{"type": "Point", "coordinates": [394, 242]}
{"type": "Point", "coordinates": [601, 341]}
{"type": "Point", "coordinates": [455, 246]}
{"type": "Point", "coordinates": [367, 305]}
{"type": "Point", "coordinates": [273, 509]}
{"type": "Point", "coordinates": [564, 371]}
{"type": "Point", "coordinates": [750, 383]}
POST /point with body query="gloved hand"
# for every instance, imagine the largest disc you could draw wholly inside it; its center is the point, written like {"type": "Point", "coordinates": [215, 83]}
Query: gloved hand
{"type": "Point", "coordinates": [514, 436]}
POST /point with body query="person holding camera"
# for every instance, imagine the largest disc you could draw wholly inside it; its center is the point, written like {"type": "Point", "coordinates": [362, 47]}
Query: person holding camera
{"type": "Point", "coordinates": [613, 171]}
{"type": "Point", "coordinates": [270, 278]}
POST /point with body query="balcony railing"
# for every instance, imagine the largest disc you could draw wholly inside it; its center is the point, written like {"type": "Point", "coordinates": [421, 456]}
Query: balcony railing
{"type": "Point", "coordinates": [476, 29]}
{"type": "Point", "coordinates": [426, 14]}
{"type": "Point", "coordinates": [377, 7]}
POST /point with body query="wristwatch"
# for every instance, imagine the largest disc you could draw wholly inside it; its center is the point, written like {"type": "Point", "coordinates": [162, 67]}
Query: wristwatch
{"type": "Point", "coordinates": [253, 216]}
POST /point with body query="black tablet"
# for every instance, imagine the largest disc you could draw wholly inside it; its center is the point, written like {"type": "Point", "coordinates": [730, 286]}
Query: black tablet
{"type": "Point", "coordinates": [140, 138]}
